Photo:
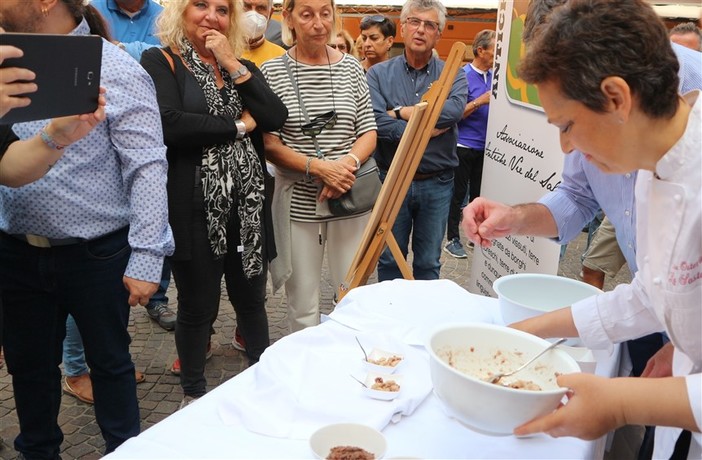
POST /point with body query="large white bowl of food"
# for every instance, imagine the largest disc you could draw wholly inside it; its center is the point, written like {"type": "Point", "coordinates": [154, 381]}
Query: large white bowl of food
{"type": "Point", "coordinates": [525, 295]}
{"type": "Point", "coordinates": [464, 357]}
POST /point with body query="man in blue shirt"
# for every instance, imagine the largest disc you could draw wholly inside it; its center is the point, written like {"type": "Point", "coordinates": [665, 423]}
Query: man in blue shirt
{"type": "Point", "coordinates": [132, 23]}
{"type": "Point", "coordinates": [395, 87]}
{"type": "Point", "coordinates": [472, 130]}
{"type": "Point", "coordinates": [88, 239]}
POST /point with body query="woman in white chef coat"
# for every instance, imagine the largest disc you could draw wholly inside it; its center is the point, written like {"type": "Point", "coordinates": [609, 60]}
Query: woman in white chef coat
{"type": "Point", "coordinates": [610, 87]}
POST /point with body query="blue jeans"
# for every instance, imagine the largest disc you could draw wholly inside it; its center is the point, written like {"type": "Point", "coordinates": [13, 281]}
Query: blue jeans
{"type": "Point", "coordinates": [40, 287]}
{"type": "Point", "coordinates": [423, 214]}
{"type": "Point", "coordinates": [73, 352]}
{"type": "Point", "coordinates": [160, 298]}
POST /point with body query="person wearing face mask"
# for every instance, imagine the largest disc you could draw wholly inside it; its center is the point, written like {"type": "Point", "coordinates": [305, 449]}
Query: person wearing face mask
{"type": "Point", "coordinates": [254, 24]}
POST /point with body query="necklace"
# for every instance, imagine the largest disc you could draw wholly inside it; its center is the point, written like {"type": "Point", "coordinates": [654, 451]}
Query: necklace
{"type": "Point", "coordinates": [297, 82]}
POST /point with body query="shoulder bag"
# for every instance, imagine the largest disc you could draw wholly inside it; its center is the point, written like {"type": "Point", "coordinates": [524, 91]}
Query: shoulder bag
{"type": "Point", "coordinates": [365, 190]}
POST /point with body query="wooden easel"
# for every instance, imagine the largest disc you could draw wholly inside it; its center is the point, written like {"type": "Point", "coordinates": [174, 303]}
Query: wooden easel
{"type": "Point", "coordinates": [378, 232]}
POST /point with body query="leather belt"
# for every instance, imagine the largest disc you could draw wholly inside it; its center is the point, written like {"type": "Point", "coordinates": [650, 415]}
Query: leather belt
{"type": "Point", "coordinates": [43, 242]}
{"type": "Point", "coordinates": [425, 176]}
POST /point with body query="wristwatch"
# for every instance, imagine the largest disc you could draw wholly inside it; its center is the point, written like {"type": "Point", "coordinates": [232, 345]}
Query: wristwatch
{"type": "Point", "coordinates": [397, 112]}
{"type": "Point", "coordinates": [240, 72]}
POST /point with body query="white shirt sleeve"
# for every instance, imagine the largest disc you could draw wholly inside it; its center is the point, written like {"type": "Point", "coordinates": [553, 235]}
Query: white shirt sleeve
{"type": "Point", "coordinates": [616, 316]}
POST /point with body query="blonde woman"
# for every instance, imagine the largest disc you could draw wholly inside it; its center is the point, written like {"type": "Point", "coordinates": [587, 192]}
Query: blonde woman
{"type": "Point", "coordinates": [214, 108]}
{"type": "Point", "coordinates": [343, 42]}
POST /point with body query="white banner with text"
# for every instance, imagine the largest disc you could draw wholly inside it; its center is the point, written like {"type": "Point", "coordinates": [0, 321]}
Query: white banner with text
{"type": "Point", "coordinates": [523, 158]}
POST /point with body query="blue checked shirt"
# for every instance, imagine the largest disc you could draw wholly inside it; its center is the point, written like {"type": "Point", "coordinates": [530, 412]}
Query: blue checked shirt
{"type": "Point", "coordinates": [114, 177]}
{"type": "Point", "coordinates": [584, 188]}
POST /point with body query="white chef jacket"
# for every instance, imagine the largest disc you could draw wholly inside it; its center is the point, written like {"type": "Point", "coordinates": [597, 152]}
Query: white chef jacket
{"type": "Point", "coordinates": [666, 293]}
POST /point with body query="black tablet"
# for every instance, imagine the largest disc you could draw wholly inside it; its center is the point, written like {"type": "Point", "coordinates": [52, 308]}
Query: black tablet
{"type": "Point", "coordinates": [67, 69]}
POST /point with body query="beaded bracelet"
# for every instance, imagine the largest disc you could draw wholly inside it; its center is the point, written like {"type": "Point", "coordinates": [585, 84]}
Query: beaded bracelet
{"type": "Point", "coordinates": [49, 140]}
{"type": "Point", "coordinates": [307, 168]}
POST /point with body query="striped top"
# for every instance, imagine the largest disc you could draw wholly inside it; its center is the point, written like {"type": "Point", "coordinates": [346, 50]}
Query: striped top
{"type": "Point", "coordinates": [340, 86]}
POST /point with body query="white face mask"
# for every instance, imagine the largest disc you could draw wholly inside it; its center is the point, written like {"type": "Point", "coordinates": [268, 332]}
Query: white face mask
{"type": "Point", "coordinates": [254, 24]}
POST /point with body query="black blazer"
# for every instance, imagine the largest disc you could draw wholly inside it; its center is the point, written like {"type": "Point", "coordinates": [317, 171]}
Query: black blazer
{"type": "Point", "coordinates": [188, 127]}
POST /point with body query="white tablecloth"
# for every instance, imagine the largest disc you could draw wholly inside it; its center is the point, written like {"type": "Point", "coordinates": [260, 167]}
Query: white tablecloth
{"type": "Point", "coordinates": [407, 311]}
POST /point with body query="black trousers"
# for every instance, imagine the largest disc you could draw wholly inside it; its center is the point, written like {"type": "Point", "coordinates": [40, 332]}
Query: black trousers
{"type": "Point", "coordinates": [40, 287]}
{"type": "Point", "coordinates": [682, 446]}
{"type": "Point", "coordinates": [467, 178]}
{"type": "Point", "coordinates": [199, 289]}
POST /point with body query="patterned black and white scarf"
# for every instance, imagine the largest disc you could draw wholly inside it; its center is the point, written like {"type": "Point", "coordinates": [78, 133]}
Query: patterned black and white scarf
{"type": "Point", "coordinates": [229, 170]}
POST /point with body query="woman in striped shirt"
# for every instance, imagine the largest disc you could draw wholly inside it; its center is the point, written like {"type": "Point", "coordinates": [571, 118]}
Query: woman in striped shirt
{"type": "Point", "coordinates": [316, 162]}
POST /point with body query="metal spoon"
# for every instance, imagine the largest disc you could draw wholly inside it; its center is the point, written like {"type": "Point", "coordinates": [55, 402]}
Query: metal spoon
{"type": "Point", "coordinates": [358, 381]}
{"type": "Point", "coordinates": [497, 377]}
{"type": "Point", "coordinates": [362, 349]}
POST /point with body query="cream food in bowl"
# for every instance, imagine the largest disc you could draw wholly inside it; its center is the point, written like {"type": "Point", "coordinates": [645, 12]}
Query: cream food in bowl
{"type": "Point", "coordinates": [463, 357]}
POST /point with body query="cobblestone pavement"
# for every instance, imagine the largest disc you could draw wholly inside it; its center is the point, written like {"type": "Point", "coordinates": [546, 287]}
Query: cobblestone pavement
{"type": "Point", "coordinates": [153, 351]}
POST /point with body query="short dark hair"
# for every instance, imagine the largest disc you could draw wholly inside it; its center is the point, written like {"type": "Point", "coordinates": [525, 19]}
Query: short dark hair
{"type": "Point", "coordinates": [536, 14]}
{"type": "Point", "coordinates": [386, 25]}
{"type": "Point", "coordinates": [572, 49]}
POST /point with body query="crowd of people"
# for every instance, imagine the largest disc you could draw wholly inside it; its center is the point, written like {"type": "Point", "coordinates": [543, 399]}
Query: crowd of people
{"type": "Point", "coordinates": [220, 135]}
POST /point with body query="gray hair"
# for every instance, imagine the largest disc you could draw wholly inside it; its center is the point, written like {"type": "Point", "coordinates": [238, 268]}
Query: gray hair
{"type": "Point", "coordinates": [424, 5]}
{"type": "Point", "coordinates": [688, 28]}
{"type": "Point", "coordinates": [483, 40]}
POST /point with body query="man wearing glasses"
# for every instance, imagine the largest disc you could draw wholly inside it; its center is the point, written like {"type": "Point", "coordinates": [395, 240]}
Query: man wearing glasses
{"type": "Point", "coordinates": [395, 87]}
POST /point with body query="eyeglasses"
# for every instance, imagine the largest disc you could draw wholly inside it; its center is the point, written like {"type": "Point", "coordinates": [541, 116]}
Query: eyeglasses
{"type": "Point", "coordinates": [317, 124]}
{"type": "Point", "coordinates": [429, 26]}
{"type": "Point", "coordinates": [340, 47]}
{"type": "Point", "coordinates": [376, 19]}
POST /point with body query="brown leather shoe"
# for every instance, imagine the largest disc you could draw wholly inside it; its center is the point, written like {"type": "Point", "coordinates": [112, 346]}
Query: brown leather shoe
{"type": "Point", "coordinates": [80, 387]}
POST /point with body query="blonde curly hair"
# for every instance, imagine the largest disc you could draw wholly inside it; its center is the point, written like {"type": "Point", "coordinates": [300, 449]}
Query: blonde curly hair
{"type": "Point", "coordinates": [171, 28]}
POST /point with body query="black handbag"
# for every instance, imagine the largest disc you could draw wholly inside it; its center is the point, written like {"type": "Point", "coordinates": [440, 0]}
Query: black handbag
{"type": "Point", "coordinates": [362, 195]}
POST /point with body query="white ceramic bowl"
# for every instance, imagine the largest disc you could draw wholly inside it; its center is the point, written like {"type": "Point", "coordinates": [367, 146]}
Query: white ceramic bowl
{"type": "Point", "coordinates": [486, 407]}
{"type": "Point", "coordinates": [347, 434]}
{"type": "Point", "coordinates": [525, 295]}
{"type": "Point", "coordinates": [583, 356]}
{"type": "Point", "coordinates": [377, 354]}
{"type": "Point", "coordinates": [382, 394]}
